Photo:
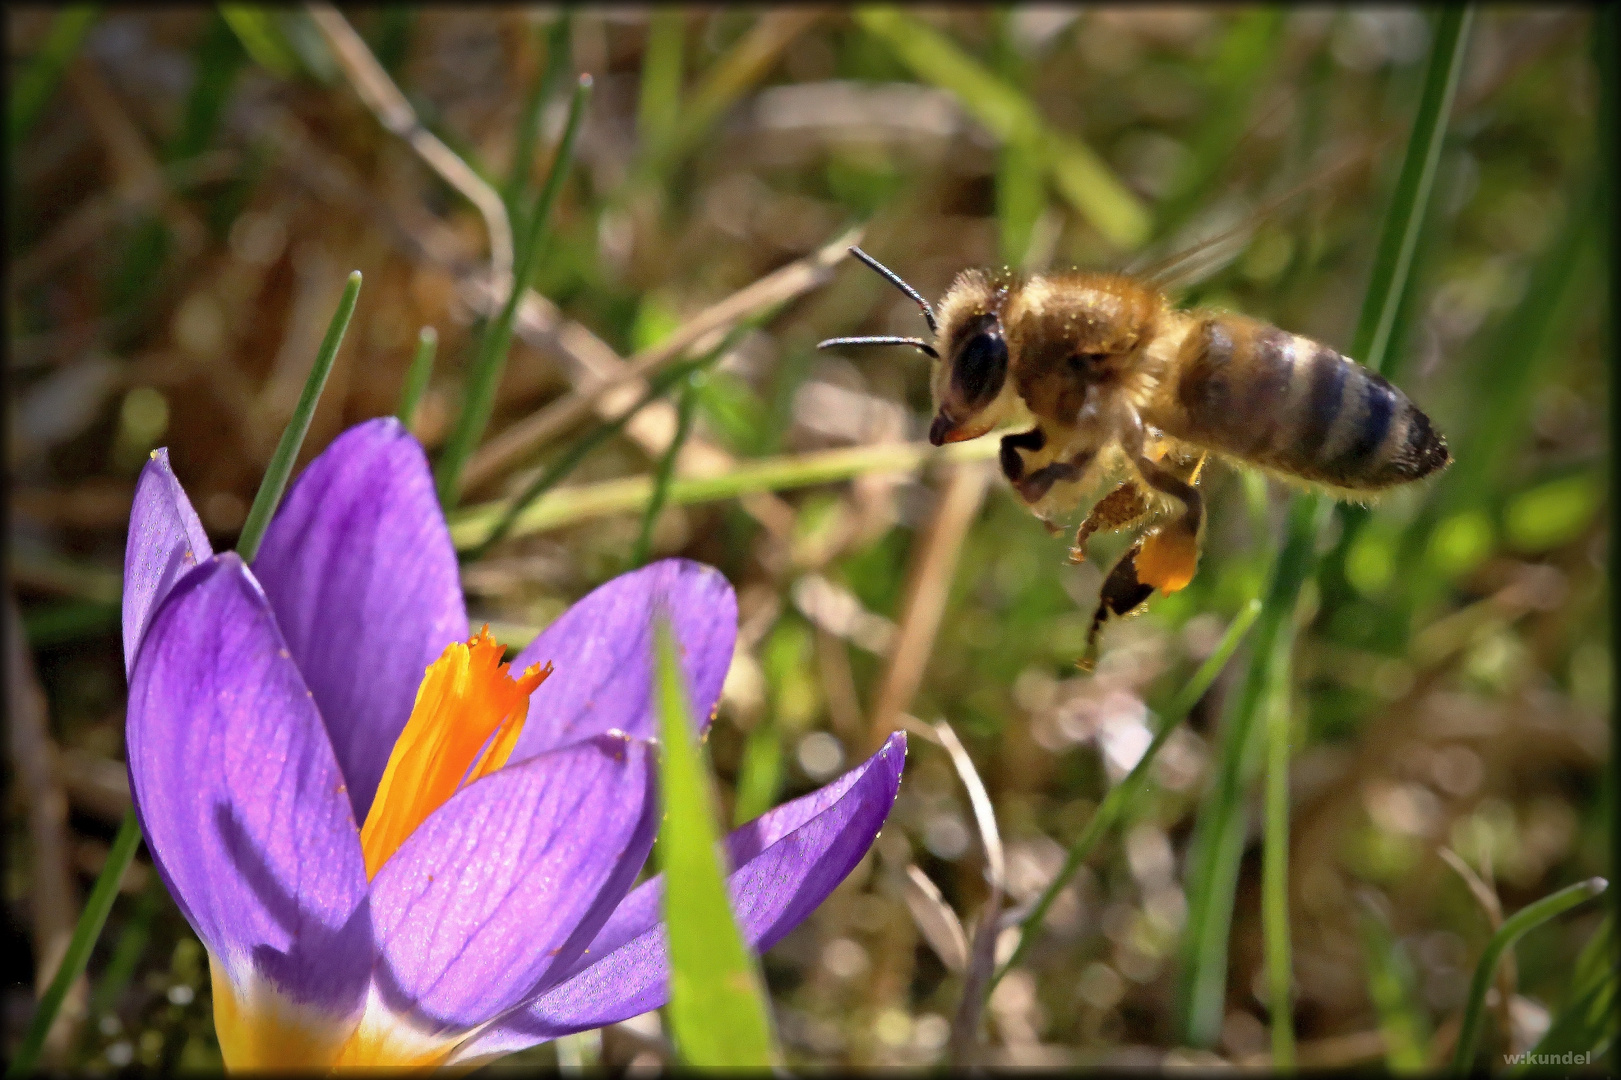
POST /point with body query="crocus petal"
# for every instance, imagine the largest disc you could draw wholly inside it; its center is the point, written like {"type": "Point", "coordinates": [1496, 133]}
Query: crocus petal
{"type": "Point", "coordinates": [240, 797]}
{"type": "Point", "coordinates": [602, 648]}
{"type": "Point", "coordinates": [361, 573]}
{"type": "Point", "coordinates": [165, 541]}
{"type": "Point", "coordinates": [788, 861]}
{"type": "Point", "coordinates": [509, 880]}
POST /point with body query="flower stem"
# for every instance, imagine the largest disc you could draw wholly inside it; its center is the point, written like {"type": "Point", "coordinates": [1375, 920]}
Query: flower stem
{"type": "Point", "coordinates": [416, 380]}
{"type": "Point", "coordinates": [274, 484]}
{"type": "Point", "coordinates": [1115, 802]}
{"type": "Point", "coordinates": [485, 376]}
{"type": "Point", "coordinates": [1514, 927]}
{"type": "Point", "coordinates": [665, 471]}
{"type": "Point", "coordinates": [91, 920]}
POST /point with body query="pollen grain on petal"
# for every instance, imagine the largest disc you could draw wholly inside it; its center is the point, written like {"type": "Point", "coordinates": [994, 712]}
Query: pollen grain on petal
{"type": "Point", "coordinates": [468, 715]}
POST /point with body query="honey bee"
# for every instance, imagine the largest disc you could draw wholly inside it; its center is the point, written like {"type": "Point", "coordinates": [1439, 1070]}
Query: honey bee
{"type": "Point", "coordinates": [1115, 384]}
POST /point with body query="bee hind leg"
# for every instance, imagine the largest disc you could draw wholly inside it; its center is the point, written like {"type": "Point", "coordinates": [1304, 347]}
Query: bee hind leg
{"type": "Point", "coordinates": [1123, 592]}
{"type": "Point", "coordinates": [1170, 556]}
{"type": "Point", "coordinates": [1164, 560]}
{"type": "Point", "coordinates": [1124, 506]}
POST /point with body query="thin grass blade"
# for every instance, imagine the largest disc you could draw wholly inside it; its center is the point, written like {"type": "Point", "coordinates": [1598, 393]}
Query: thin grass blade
{"type": "Point", "coordinates": [557, 37]}
{"type": "Point", "coordinates": [1393, 989]}
{"type": "Point", "coordinates": [91, 921]}
{"type": "Point", "coordinates": [1514, 927]}
{"type": "Point", "coordinates": [280, 470]}
{"type": "Point", "coordinates": [659, 105]}
{"type": "Point", "coordinates": [1080, 175]}
{"type": "Point", "coordinates": [662, 475]}
{"type": "Point", "coordinates": [1275, 860]}
{"type": "Point", "coordinates": [1587, 1023]}
{"type": "Point", "coordinates": [39, 79]}
{"type": "Point", "coordinates": [256, 28]}
{"type": "Point", "coordinates": [1119, 797]}
{"type": "Point", "coordinates": [479, 399]}
{"type": "Point", "coordinates": [416, 379]}
{"type": "Point", "coordinates": [581, 448]}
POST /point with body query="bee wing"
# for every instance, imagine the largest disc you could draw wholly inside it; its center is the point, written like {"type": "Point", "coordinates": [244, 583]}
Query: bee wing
{"type": "Point", "coordinates": [1202, 258]}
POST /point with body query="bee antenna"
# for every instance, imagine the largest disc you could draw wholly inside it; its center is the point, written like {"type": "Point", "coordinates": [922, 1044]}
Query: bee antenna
{"type": "Point", "coordinates": [916, 343]}
{"type": "Point", "coordinates": [895, 280]}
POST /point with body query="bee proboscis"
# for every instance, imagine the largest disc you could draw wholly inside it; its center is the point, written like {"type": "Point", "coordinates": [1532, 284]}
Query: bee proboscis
{"type": "Point", "coordinates": [1109, 381]}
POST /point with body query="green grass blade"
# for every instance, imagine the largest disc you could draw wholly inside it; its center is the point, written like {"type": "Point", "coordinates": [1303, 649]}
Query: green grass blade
{"type": "Point", "coordinates": [1119, 797]}
{"type": "Point", "coordinates": [1275, 861]}
{"type": "Point", "coordinates": [1587, 1023]}
{"type": "Point", "coordinates": [665, 471]}
{"type": "Point", "coordinates": [1218, 842]}
{"type": "Point", "coordinates": [479, 399]}
{"type": "Point", "coordinates": [91, 920]}
{"type": "Point", "coordinates": [263, 39]}
{"type": "Point", "coordinates": [274, 484]}
{"type": "Point", "coordinates": [718, 1013]}
{"type": "Point", "coordinates": [658, 107]}
{"type": "Point", "coordinates": [581, 448]}
{"type": "Point", "coordinates": [218, 59]}
{"type": "Point", "coordinates": [128, 950]}
{"type": "Point", "coordinates": [1077, 171]}
{"type": "Point", "coordinates": [69, 620]}
{"type": "Point", "coordinates": [760, 774]}
{"type": "Point", "coordinates": [1514, 927]}
{"type": "Point", "coordinates": [1393, 989]}
{"type": "Point", "coordinates": [733, 74]}
{"type": "Point", "coordinates": [39, 79]}
{"type": "Point", "coordinates": [1399, 238]}
{"type": "Point", "coordinates": [416, 380]}
{"type": "Point", "coordinates": [558, 37]}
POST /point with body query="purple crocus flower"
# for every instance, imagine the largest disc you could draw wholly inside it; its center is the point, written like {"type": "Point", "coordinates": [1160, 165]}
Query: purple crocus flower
{"type": "Point", "coordinates": [395, 850]}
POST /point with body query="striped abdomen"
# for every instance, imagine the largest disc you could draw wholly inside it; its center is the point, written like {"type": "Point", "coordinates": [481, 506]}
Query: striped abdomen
{"type": "Point", "coordinates": [1285, 402]}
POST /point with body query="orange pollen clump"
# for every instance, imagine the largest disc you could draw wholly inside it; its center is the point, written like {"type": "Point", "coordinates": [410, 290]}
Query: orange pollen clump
{"type": "Point", "coordinates": [468, 714]}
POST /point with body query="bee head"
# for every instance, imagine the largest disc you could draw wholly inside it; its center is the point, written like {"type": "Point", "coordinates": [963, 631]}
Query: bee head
{"type": "Point", "coordinates": [972, 391]}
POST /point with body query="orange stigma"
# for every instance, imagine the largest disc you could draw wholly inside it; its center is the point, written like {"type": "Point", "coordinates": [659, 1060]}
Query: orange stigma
{"type": "Point", "coordinates": [468, 714]}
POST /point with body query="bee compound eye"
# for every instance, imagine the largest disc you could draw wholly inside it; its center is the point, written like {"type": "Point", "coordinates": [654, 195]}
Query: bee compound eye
{"type": "Point", "coordinates": [980, 368]}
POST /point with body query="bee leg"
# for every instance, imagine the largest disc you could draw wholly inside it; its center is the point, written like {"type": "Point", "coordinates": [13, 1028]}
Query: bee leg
{"type": "Point", "coordinates": [1123, 506]}
{"type": "Point", "coordinates": [1123, 592]}
{"type": "Point", "coordinates": [1035, 486]}
{"type": "Point", "coordinates": [1170, 556]}
{"type": "Point", "coordinates": [1012, 460]}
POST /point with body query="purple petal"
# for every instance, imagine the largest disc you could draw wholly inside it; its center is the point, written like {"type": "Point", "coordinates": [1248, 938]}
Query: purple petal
{"type": "Point", "coordinates": [360, 570]}
{"type": "Point", "coordinates": [510, 880]}
{"type": "Point", "coordinates": [165, 541]}
{"type": "Point", "coordinates": [603, 651]}
{"type": "Point", "coordinates": [239, 796]}
{"type": "Point", "coordinates": [788, 861]}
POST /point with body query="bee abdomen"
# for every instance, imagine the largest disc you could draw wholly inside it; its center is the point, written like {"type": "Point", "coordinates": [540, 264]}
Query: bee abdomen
{"type": "Point", "coordinates": [1291, 404]}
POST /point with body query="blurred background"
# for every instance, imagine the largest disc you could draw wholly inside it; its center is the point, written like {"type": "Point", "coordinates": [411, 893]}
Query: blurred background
{"type": "Point", "coordinates": [188, 187]}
